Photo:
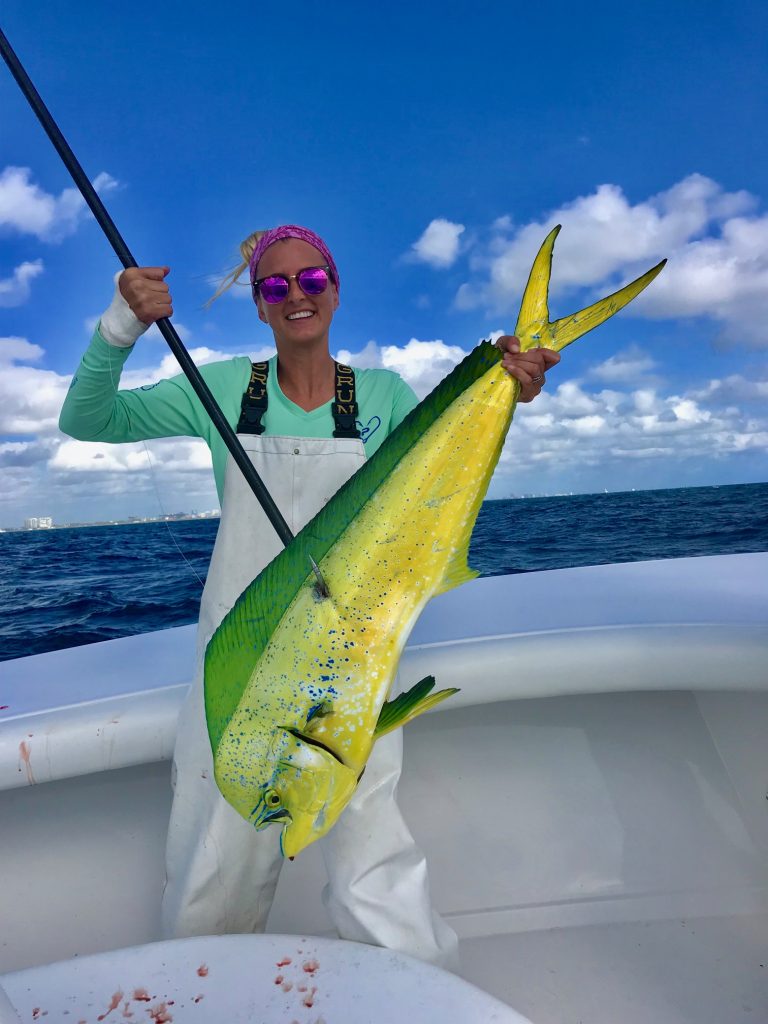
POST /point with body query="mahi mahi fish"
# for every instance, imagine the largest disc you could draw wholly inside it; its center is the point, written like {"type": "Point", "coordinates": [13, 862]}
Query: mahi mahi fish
{"type": "Point", "coordinates": [297, 676]}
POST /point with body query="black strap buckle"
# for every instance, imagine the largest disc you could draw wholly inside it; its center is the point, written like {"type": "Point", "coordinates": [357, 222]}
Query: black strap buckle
{"type": "Point", "coordinates": [254, 403]}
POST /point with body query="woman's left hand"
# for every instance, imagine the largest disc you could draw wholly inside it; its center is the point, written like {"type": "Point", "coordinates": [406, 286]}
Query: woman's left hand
{"type": "Point", "coordinates": [528, 367]}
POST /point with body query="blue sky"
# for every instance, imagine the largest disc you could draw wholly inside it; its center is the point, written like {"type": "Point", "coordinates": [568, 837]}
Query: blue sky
{"type": "Point", "coordinates": [433, 146]}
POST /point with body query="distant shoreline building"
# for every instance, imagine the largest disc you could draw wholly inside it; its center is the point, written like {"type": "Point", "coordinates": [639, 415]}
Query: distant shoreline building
{"type": "Point", "coordinates": [38, 523]}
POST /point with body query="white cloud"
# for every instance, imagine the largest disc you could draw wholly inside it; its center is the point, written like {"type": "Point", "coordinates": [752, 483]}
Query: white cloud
{"type": "Point", "coordinates": [734, 388]}
{"type": "Point", "coordinates": [176, 455]}
{"type": "Point", "coordinates": [169, 367]}
{"type": "Point", "coordinates": [716, 245]}
{"type": "Point", "coordinates": [15, 290]}
{"type": "Point", "coordinates": [569, 431]}
{"type": "Point", "coordinates": [30, 397]}
{"type": "Point", "coordinates": [625, 367]}
{"type": "Point", "coordinates": [688, 411]}
{"type": "Point", "coordinates": [422, 364]}
{"type": "Point", "coordinates": [586, 426]}
{"type": "Point", "coordinates": [27, 209]}
{"type": "Point", "coordinates": [24, 453]}
{"type": "Point", "coordinates": [724, 278]}
{"type": "Point", "coordinates": [19, 350]}
{"type": "Point", "coordinates": [438, 245]}
{"type": "Point", "coordinates": [44, 471]}
{"type": "Point", "coordinates": [572, 397]}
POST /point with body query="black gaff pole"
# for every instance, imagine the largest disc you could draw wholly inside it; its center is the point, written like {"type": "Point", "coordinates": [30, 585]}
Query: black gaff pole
{"type": "Point", "coordinates": [166, 327]}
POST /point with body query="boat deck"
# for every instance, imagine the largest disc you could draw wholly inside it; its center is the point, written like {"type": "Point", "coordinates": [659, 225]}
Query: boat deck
{"type": "Point", "coordinates": [709, 970]}
{"type": "Point", "coordinates": [602, 855]}
{"type": "Point", "coordinates": [617, 869]}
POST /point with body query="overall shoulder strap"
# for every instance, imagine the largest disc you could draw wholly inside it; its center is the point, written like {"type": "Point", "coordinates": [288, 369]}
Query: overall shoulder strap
{"type": "Point", "coordinates": [344, 406]}
{"type": "Point", "coordinates": [254, 403]}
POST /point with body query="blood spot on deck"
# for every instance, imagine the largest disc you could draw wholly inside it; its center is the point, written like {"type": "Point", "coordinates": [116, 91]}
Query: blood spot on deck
{"type": "Point", "coordinates": [141, 995]}
{"type": "Point", "coordinates": [24, 755]}
{"type": "Point", "coordinates": [116, 1000]}
{"type": "Point", "coordinates": [159, 1014]}
{"type": "Point", "coordinates": [310, 966]}
{"type": "Point", "coordinates": [284, 962]}
{"type": "Point", "coordinates": [202, 970]}
{"type": "Point", "coordinates": [309, 998]}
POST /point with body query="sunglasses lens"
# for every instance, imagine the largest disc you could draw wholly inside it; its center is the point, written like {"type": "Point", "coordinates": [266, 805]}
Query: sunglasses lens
{"type": "Point", "coordinates": [313, 281]}
{"type": "Point", "coordinates": [273, 289]}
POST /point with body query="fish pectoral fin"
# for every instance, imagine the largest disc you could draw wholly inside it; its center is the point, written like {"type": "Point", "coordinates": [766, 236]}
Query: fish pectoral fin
{"type": "Point", "coordinates": [533, 325]}
{"type": "Point", "coordinates": [313, 743]}
{"type": "Point", "coordinates": [321, 710]}
{"type": "Point", "coordinates": [409, 705]}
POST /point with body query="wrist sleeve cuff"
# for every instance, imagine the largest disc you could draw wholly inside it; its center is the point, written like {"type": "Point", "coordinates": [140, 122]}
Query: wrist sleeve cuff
{"type": "Point", "coordinates": [118, 325]}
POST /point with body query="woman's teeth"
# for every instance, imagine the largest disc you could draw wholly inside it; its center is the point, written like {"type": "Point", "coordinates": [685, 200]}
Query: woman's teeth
{"type": "Point", "coordinates": [300, 316]}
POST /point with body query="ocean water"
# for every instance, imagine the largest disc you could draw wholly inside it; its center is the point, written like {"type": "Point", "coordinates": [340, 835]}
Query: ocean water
{"type": "Point", "coordinates": [62, 588]}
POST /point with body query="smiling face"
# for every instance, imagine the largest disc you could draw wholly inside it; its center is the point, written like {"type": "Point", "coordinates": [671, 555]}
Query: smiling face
{"type": "Point", "coordinates": [300, 319]}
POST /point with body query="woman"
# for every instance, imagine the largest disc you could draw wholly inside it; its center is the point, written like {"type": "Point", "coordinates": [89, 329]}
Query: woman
{"type": "Point", "coordinates": [221, 874]}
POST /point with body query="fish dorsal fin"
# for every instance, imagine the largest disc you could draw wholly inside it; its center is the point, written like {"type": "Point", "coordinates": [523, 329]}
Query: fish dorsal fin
{"type": "Point", "coordinates": [409, 705]}
{"type": "Point", "coordinates": [457, 569]}
{"type": "Point", "coordinates": [456, 572]}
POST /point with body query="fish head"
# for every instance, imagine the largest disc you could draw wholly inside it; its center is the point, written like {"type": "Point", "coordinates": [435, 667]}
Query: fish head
{"type": "Point", "coordinates": [307, 792]}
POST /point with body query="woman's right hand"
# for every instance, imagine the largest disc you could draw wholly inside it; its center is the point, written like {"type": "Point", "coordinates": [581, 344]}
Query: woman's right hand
{"type": "Point", "coordinates": [145, 291]}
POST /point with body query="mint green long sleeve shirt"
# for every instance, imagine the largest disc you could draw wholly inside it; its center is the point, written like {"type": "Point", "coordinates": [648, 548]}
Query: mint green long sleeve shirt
{"type": "Point", "coordinates": [96, 409]}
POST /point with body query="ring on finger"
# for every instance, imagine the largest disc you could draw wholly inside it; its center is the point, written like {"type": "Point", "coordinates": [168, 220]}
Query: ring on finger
{"type": "Point", "coordinates": [538, 379]}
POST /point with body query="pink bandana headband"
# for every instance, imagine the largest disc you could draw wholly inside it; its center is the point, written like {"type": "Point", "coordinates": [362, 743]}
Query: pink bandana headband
{"type": "Point", "coordinates": [291, 231]}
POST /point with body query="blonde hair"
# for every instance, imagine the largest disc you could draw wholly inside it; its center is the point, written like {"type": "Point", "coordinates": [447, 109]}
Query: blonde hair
{"type": "Point", "coordinates": [246, 251]}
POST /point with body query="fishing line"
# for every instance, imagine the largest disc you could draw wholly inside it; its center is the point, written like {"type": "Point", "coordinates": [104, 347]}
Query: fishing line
{"type": "Point", "coordinates": [167, 524]}
{"type": "Point", "coordinates": [115, 382]}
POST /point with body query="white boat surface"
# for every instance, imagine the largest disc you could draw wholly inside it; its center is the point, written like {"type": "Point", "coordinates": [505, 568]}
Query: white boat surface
{"type": "Point", "coordinates": [592, 803]}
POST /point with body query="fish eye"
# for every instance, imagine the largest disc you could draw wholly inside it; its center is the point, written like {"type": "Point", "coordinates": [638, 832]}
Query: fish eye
{"type": "Point", "coordinates": [272, 798]}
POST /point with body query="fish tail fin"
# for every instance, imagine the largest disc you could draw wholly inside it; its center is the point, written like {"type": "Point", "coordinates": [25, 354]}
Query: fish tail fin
{"type": "Point", "coordinates": [534, 308]}
{"type": "Point", "coordinates": [569, 328]}
{"type": "Point", "coordinates": [533, 327]}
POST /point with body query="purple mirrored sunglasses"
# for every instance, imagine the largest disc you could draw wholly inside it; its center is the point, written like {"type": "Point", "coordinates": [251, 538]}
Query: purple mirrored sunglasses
{"type": "Point", "coordinates": [275, 287]}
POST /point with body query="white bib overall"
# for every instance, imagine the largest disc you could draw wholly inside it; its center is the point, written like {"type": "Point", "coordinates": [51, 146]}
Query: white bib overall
{"type": "Point", "coordinates": [221, 873]}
